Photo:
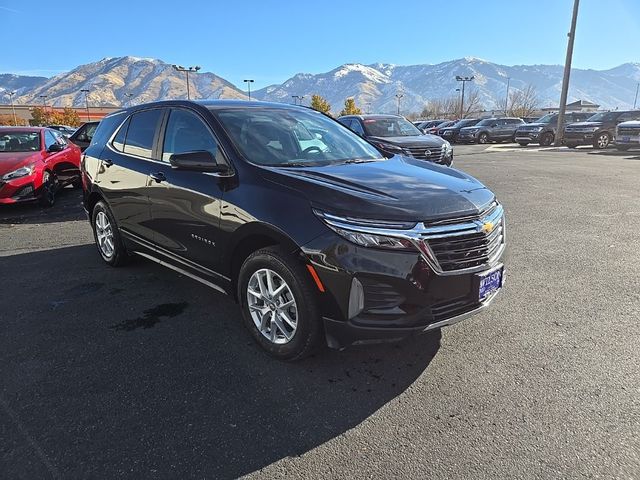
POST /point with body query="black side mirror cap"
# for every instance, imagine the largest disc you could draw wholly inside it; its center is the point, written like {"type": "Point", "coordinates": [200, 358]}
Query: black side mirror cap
{"type": "Point", "coordinates": [56, 147]}
{"type": "Point", "coordinates": [198, 161]}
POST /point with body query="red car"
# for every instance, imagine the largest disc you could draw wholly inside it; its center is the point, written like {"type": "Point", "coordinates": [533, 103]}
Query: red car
{"type": "Point", "coordinates": [34, 163]}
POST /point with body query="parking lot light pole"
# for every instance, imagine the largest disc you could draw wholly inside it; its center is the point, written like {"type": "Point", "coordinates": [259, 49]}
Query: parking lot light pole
{"type": "Point", "coordinates": [86, 101]}
{"type": "Point", "coordinates": [635, 100]}
{"type": "Point", "coordinates": [127, 102]}
{"type": "Point", "coordinates": [399, 96]}
{"type": "Point", "coordinates": [249, 82]}
{"type": "Point", "coordinates": [295, 99]}
{"type": "Point", "coordinates": [567, 74]}
{"type": "Point", "coordinates": [44, 103]}
{"type": "Point", "coordinates": [506, 100]}
{"type": "Point", "coordinates": [463, 80]}
{"type": "Point", "coordinates": [180, 68]}
{"type": "Point", "coordinates": [13, 108]}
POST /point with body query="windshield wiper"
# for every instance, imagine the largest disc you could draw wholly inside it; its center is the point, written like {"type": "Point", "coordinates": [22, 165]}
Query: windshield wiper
{"type": "Point", "coordinates": [358, 160]}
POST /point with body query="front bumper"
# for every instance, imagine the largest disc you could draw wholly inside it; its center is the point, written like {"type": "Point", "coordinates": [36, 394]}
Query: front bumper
{"type": "Point", "coordinates": [579, 138]}
{"type": "Point", "coordinates": [18, 190]}
{"type": "Point", "coordinates": [464, 137]}
{"type": "Point", "coordinates": [402, 293]}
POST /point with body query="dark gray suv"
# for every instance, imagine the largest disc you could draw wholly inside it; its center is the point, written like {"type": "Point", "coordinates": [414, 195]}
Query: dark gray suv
{"type": "Point", "coordinates": [543, 130]}
{"type": "Point", "coordinates": [491, 130]}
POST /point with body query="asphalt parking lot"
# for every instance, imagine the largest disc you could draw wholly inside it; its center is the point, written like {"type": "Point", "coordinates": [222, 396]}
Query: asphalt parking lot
{"type": "Point", "coordinates": [140, 373]}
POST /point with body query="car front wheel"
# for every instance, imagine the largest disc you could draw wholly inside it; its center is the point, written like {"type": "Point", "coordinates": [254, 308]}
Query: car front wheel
{"type": "Point", "coordinates": [107, 235]}
{"type": "Point", "coordinates": [483, 138]}
{"type": "Point", "coordinates": [546, 139]}
{"type": "Point", "coordinates": [48, 189]}
{"type": "Point", "coordinates": [278, 304]}
{"type": "Point", "coordinates": [602, 141]}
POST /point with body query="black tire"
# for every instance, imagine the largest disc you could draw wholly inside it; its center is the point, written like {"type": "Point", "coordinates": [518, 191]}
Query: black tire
{"type": "Point", "coordinates": [48, 190]}
{"type": "Point", "coordinates": [119, 256]}
{"type": "Point", "coordinates": [546, 139]}
{"type": "Point", "coordinates": [77, 183]}
{"type": "Point", "coordinates": [571, 145]}
{"type": "Point", "coordinates": [308, 333]}
{"type": "Point", "coordinates": [483, 138]}
{"type": "Point", "coordinates": [623, 148]}
{"type": "Point", "coordinates": [602, 141]}
{"type": "Point", "coordinates": [523, 144]}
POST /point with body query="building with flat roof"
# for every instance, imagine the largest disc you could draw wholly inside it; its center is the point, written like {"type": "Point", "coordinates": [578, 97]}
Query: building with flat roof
{"type": "Point", "coordinates": [23, 112]}
{"type": "Point", "coordinates": [577, 106]}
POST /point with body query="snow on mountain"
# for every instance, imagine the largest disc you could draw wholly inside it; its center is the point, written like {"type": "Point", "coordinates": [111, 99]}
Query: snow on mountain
{"type": "Point", "coordinates": [111, 80]}
{"type": "Point", "coordinates": [374, 86]}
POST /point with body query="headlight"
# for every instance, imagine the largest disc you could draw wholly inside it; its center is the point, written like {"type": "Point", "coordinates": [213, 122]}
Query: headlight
{"type": "Point", "coordinates": [20, 172]}
{"type": "Point", "coordinates": [473, 130]}
{"type": "Point", "coordinates": [447, 147]}
{"type": "Point", "coordinates": [389, 147]}
{"type": "Point", "coordinates": [357, 231]}
{"type": "Point", "coordinates": [539, 129]}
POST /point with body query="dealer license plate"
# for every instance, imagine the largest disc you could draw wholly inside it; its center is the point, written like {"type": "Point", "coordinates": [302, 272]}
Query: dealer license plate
{"type": "Point", "coordinates": [490, 282]}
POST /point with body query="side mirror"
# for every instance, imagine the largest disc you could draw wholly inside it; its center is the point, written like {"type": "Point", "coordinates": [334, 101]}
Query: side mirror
{"type": "Point", "coordinates": [318, 136]}
{"type": "Point", "coordinates": [494, 125]}
{"type": "Point", "coordinates": [56, 147]}
{"type": "Point", "coordinates": [199, 161]}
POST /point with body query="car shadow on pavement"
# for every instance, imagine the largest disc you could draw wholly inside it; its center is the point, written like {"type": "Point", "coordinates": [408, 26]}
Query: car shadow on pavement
{"type": "Point", "coordinates": [68, 207]}
{"type": "Point", "coordinates": [629, 155]}
{"type": "Point", "coordinates": [137, 372]}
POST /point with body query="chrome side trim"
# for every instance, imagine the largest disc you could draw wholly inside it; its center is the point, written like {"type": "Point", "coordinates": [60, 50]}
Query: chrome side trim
{"type": "Point", "coordinates": [459, 318]}
{"type": "Point", "coordinates": [183, 272]}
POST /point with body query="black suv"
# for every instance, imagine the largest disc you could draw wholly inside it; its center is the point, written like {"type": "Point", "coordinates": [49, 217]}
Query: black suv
{"type": "Point", "coordinates": [451, 133]}
{"type": "Point", "coordinates": [490, 130]}
{"type": "Point", "coordinates": [309, 227]}
{"type": "Point", "coordinates": [543, 130]}
{"type": "Point", "coordinates": [599, 130]}
{"type": "Point", "coordinates": [394, 135]}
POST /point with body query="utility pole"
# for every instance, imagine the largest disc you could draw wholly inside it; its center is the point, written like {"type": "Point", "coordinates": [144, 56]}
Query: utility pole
{"type": "Point", "coordinates": [86, 101]}
{"type": "Point", "coordinates": [295, 99]}
{"type": "Point", "coordinates": [180, 68]}
{"type": "Point", "coordinates": [13, 108]}
{"type": "Point", "coordinates": [506, 100]}
{"type": "Point", "coordinates": [249, 82]}
{"type": "Point", "coordinates": [44, 105]}
{"type": "Point", "coordinates": [128, 101]}
{"type": "Point", "coordinates": [635, 100]}
{"type": "Point", "coordinates": [463, 80]}
{"type": "Point", "coordinates": [399, 96]}
{"type": "Point", "coordinates": [567, 74]}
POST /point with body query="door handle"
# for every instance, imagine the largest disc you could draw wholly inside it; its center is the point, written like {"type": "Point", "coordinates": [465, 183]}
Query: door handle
{"type": "Point", "coordinates": [158, 177]}
{"type": "Point", "coordinates": [106, 162]}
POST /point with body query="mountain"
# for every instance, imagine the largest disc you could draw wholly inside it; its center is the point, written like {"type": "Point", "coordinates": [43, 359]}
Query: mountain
{"type": "Point", "coordinates": [18, 83]}
{"type": "Point", "coordinates": [378, 84]}
{"type": "Point", "coordinates": [111, 80]}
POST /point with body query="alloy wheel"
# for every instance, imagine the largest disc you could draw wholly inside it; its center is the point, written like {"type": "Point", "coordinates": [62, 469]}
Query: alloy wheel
{"type": "Point", "coordinates": [603, 141]}
{"type": "Point", "coordinates": [104, 235]}
{"type": "Point", "coordinates": [483, 138]}
{"type": "Point", "coordinates": [272, 306]}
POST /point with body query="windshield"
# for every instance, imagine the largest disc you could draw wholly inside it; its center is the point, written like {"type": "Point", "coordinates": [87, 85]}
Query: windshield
{"type": "Point", "coordinates": [548, 118]}
{"type": "Point", "coordinates": [604, 117]}
{"type": "Point", "coordinates": [390, 127]}
{"type": "Point", "coordinates": [19, 141]}
{"type": "Point", "coordinates": [464, 123]}
{"type": "Point", "coordinates": [294, 138]}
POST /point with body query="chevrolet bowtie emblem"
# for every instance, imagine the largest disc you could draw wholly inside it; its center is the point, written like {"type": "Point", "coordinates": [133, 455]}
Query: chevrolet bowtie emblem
{"type": "Point", "coordinates": [487, 227]}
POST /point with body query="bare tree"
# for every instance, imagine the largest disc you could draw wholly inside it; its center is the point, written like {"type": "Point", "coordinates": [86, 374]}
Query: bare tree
{"type": "Point", "coordinates": [521, 103]}
{"type": "Point", "coordinates": [471, 104]}
{"type": "Point", "coordinates": [445, 107]}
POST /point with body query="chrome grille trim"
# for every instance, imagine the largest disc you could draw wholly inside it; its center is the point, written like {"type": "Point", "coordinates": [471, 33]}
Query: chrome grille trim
{"type": "Point", "coordinates": [417, 151]}
{"type": "Point", "coordinates": [427, 239]}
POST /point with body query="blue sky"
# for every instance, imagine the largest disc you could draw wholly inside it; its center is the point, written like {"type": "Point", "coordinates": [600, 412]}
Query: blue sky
{"type": "Point", "coordinates": [271, 40]}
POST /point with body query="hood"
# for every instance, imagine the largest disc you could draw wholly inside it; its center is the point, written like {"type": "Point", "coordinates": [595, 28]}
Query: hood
{"type": "Point", "coordinates": [399, 188]}
{"type": "Point", "coordinates": [585, 124]}
{"type": "Point", "coordinates": [10, 161]}
{"type": "Point", "coordinates": [472, 127]}
{"type": "Point", "coordinates": [417, 140]}
{"type": "Point", "coordinates": [532, 125]}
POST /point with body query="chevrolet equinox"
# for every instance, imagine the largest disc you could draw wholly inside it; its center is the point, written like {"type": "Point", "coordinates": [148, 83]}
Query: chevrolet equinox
{"type": "Point", "coordinates": [316, 233]}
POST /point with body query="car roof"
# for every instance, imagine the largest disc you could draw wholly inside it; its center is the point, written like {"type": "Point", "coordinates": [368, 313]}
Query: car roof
{"type": "Point", "coordinates": [374, 116]}
{"type": "Point", "coordinates": [21, 129]}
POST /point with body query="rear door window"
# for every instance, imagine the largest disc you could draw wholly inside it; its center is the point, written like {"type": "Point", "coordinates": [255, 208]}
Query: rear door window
{"type": "Point", "coordinates": [141, 133]}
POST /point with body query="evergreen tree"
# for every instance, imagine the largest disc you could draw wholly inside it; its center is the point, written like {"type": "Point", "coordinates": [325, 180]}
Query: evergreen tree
{"type": "Point", "coordinates": [350, 108]}
{"type": "Point", "coordinates": [320, 104]}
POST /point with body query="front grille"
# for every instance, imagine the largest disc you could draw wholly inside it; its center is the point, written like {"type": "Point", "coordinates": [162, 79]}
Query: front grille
{"type": "Point", "coordinates": [435, 153]}
{"type": "Point", "coordinates": [629, 131]}
{"type": "Point", "coordinates": [452, 308]}
{"type": "Point", "coordinates": [466, 243]}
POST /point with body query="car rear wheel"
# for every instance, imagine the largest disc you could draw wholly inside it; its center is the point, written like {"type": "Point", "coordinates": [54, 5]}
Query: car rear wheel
{"type": "Point", "coordinates": [572, 145]}
{"type": "Point", "coordinates": [546, 139]}
{"type": "Point", "coordinates": [602, 141]}
{"type": "Point", "coordinates": [483, 138]}
{"type": "Point", "coordinates": [48, 189]}
{"type": "Point", "coordinates": [278, 304]}
{"type": "Point", "coordinates": [107, 235]}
